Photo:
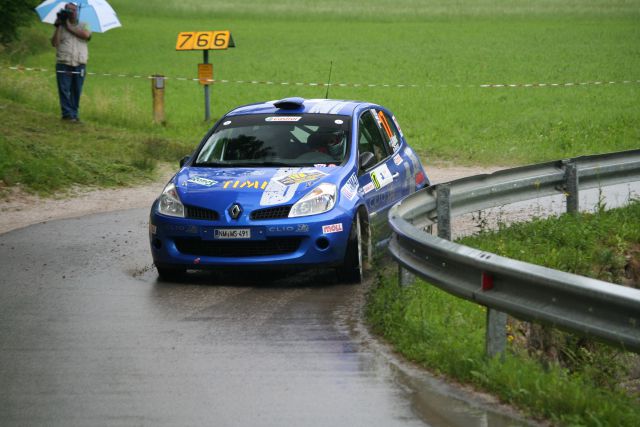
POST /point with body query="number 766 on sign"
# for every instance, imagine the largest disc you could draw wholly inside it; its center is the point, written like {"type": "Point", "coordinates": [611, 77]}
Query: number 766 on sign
{"type": "Point", "coordinates": [204, 40]}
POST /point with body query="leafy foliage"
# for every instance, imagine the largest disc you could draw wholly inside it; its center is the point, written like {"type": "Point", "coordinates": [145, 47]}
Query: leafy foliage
{"type": "Point", "coordinates": [13, 15]}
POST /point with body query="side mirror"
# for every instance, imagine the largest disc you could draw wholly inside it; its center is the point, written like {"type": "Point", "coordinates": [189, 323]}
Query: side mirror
{"type": "Point", "coordinates": [367, 159]}
{"type": "Point", "coordinates": [184, 160]}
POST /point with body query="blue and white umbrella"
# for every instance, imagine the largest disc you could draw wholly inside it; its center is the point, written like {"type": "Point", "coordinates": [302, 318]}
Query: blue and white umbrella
{"type": "Point", "coordinates": [97, 14]}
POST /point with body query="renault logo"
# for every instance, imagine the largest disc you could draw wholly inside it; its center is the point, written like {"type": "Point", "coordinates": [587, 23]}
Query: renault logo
{"type": "Point", "coordinates": [235, 211]}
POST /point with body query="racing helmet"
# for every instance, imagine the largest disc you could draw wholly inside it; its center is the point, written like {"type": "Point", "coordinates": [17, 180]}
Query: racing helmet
{"type": "Point", "coordinates": [336, 144]}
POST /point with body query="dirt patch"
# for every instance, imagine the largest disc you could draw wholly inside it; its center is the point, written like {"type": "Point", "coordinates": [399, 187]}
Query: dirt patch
{"type": "Point", "coordinates": [20, 209]}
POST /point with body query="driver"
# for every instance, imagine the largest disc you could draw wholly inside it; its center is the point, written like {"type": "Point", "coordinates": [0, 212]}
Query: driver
{"type": "Point", "coordinates": [335, 145]}
{"type": "Point", "coordinates": [331, 143]}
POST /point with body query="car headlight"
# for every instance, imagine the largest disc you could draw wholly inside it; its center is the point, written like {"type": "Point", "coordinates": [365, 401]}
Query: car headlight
{"type": "Point", "coordinates": [170, 203]}
{"type": "Point", "coordinates": [320, 199]}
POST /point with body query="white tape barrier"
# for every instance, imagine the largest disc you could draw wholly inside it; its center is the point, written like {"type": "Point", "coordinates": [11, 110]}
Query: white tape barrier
{"type": "Point", "coordinates": [515, 85]}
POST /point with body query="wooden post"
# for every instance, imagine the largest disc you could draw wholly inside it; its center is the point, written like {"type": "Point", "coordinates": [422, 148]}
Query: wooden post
{"type": "Point", "coordinates": [157, 89]}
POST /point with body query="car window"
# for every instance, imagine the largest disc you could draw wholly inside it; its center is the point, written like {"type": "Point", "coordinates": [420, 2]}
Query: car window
{"type": "Point", "coordinates": [277, 140]}
{"type": "Point", "coordinates": [369, 137]}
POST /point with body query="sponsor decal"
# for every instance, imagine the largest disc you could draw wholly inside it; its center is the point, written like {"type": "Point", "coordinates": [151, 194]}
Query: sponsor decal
{"type": "Point", "coordinates": [381, 177]}
{"type": "Point", "coordinates": [397, 125]}
{"type": "Point", "coordinates": [320, 165]}
{"type": "Point", "coordinates": [350, 188]}
{"type": "Point", "coordinates": [397, 159]}
{"type": "Point", "coordinates": [300, 177]}
{"type": "Point", "coordinates": [246, 183]}
{"type": "Point", "coordinates": [410, 182]}
{"type": "Point", "coordinates": [276, 192]}
{"type": "Point", "coordinates": [227, 123]}
{"type": "Point", "coordinates": [368, 188]}
{"type": "Point", "coordinates": [374, 113]}
{"type": "Point", "coordinates": [202, 181]}
{"type": "Point", "coordinates": [191, 229]}
{"type": "Point", "coordinates": [338, 122]}
{"type": "Point", "coordinates": [411, 155]}
{"type": "Point", "coordinates": [382, 199]}
{"type": "Point", "coordinates": [333, 228]}
{"type": "Point", "coordinates": [299, 228]}
{"type": "Point", "coordinates": [283, 119]}
{"type": "Point", "coordinates": [394, 143]}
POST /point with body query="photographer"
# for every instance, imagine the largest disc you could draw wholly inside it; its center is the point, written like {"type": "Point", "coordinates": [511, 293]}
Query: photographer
{"type": "Point", "coordinates": [70, 40]}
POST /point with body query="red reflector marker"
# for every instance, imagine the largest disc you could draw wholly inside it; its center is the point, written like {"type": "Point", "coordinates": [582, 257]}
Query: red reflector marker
{"type": "Point", "coordinates": [419, 178]}
{"type": "Point", "coordinates": [487, 281]}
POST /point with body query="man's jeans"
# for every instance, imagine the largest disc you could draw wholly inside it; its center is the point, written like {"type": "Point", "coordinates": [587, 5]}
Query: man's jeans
{"type": "Point", "coordinates": [70, 80]}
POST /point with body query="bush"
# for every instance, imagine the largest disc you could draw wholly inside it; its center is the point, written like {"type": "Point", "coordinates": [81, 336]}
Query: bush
{"type": "Point", "coordinates": [15, 14]}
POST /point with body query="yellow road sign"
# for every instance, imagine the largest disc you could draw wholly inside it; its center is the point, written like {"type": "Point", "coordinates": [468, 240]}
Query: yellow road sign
{"type": "Point", "coordinates": [205, 74]}
{"type": "Point", "coordinates": [204, 40]}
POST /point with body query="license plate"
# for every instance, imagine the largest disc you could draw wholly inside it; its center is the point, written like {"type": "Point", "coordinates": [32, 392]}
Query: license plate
{"type": "Point", "coordinates": [232, 233]}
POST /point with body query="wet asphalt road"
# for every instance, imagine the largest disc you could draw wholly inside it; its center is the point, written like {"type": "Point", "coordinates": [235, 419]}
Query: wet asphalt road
{"type": "Point", "coordinates": [90, 336]}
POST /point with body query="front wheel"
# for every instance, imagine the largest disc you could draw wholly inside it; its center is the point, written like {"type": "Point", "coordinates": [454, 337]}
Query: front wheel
{"type": "Point", "coordinates": [352, 270]}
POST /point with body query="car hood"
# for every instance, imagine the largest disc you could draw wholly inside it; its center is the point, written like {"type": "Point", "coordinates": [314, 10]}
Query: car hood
{"type": "Point", "coordinates": [252, 188]}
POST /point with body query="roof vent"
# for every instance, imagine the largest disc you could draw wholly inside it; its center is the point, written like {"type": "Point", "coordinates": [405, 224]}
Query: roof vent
{"type": "Point", "coordinates": [290, 103]}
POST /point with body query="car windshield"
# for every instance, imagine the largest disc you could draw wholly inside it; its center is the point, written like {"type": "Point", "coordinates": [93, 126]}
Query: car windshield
{"type": "Point", "coordinates": [277, 140]}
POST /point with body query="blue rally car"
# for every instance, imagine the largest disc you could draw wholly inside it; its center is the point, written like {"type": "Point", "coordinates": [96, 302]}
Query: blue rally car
{"type": "Point", "coordinates": [289, 183]}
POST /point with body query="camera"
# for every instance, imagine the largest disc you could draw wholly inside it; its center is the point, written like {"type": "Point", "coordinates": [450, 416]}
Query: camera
{"type": "Point", "coordinates": [63, 15]}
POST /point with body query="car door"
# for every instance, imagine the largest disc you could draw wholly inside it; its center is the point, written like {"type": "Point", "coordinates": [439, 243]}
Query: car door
{"type": "Point", "coordinates": [378, 182]}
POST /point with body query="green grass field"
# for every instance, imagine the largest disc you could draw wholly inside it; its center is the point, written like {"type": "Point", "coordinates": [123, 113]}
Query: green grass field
{"type": "Point", "coordinates": [447, 51]}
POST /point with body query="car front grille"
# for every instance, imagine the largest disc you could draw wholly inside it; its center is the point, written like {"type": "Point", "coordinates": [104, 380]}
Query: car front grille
{"type": "Point", "coordinates": [194, 212]}
{"type": "Point", "coordinates": [238, 249]}
{"type": "Point", "coordinates": [271, 213]}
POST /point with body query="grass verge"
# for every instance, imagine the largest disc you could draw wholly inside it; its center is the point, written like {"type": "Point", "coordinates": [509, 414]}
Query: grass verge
{"type": "Point", "coordinates": [580, 382]}
{"type": "Point", "coordinates": [44, 154]}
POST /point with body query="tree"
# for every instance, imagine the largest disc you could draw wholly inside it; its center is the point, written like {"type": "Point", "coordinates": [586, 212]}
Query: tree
{"type": "Point", "coordinates": [13, 15]}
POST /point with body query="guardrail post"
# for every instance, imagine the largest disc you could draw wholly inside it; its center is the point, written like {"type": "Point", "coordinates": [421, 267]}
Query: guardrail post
{"type": "Point", "coordinates": [571, 185]}
{"type": "Point", "coordinates": [405, 277]}
{"type": "Point", "coordinates": [496, 337]}
{"type": "Point", "coordinates": [443, 209]}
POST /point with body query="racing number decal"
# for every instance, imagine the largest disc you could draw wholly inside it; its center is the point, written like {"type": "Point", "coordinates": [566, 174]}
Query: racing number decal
{"type": "Point", "coordinates": [375, 181]}
{"type": "Point", "coordinates": [203, 40]}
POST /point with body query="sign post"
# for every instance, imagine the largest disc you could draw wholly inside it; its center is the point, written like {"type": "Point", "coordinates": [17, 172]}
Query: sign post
{"type": "Point", "coordinates": [205, 41]}
{"type": "Point", "coordinates": [206, 82]}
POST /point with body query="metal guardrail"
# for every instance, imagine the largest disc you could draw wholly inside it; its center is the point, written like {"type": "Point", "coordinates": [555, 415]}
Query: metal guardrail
{"type": "Point", "coordinates": [578, 304]}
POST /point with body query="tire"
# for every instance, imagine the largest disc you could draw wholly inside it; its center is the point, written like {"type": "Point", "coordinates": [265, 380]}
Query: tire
{"type": "Point", "coordinates": [170, 273]}
{"type": "Point", "coordinates": [352, 270]}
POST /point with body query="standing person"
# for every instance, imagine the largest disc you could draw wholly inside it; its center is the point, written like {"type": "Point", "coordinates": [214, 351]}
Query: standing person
{"type": "Point", "coordinates": [71, 42]}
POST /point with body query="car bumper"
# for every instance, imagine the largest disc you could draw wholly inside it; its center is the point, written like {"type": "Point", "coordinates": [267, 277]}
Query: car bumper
{"type": "Point", "coordinates": [290, 242]}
